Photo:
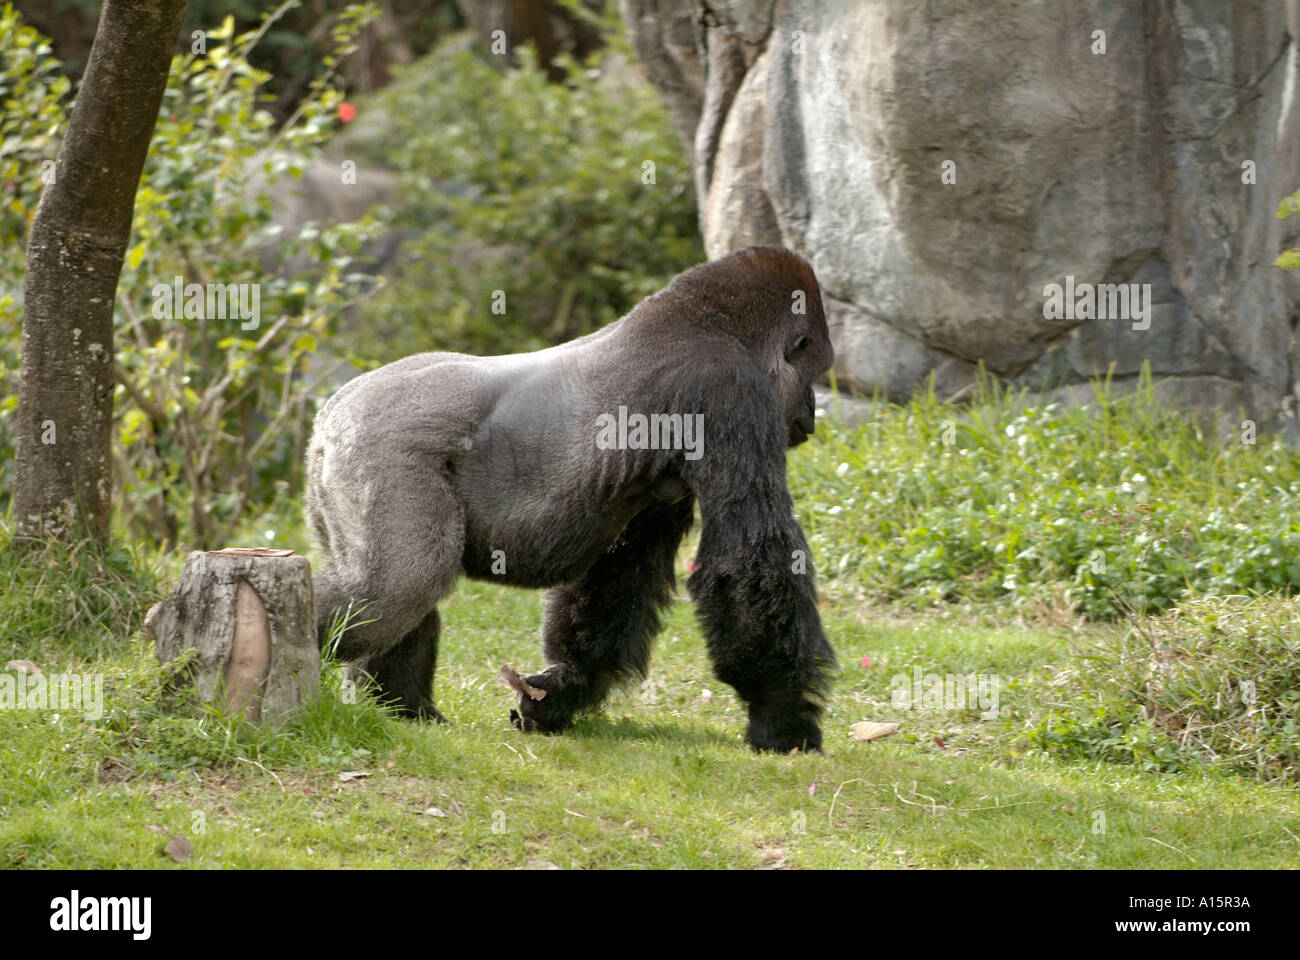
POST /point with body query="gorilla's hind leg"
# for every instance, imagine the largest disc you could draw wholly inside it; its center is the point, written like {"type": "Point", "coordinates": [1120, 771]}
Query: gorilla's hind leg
{"type": "Point", "coordinates": [394, 551]}
{"type": "Point", "coordinates": [597, 631]}
{"type": "Point", "coordinates": [403, 674]}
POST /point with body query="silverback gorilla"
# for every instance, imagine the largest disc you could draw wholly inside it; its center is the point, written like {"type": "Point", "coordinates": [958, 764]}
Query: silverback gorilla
{"type": "Point", "coordinates": [508, 469]}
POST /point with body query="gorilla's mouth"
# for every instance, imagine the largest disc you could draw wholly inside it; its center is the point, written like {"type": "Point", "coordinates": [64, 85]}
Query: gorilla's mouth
{"type": "Point", "coordinates": [802, 428]}
{"type": "Point", "coordinates": [805, 421]}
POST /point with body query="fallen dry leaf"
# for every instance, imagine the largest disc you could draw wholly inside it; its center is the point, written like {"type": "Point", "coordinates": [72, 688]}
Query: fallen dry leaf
{"type": "Point", "coordinates": [540, 865]}
{"type": "Point", "coordinates": [521, 685]}
{"type": "Point", "coordinates": [349, 775]}
{"type": "Point", "coordinates": [435, 812]}
{"type": "Point", "coordinates": [23, 666]}
{"type": "Point", "coordinates": [868, 730]}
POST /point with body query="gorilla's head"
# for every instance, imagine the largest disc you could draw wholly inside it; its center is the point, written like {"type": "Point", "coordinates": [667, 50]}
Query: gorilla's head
{"type": "Point", "coordinates": [802, 353]}
{"type": "Point", "coordinates": [769, 298]}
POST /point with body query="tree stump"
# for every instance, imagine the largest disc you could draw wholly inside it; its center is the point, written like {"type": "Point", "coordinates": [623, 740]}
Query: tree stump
{"type": "Point", "coordinates": [250, 615]}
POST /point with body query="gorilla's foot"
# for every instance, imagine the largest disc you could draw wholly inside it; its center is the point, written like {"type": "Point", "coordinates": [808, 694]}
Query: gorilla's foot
{"type": "Point", "coordinates": [428, 711]}
{"type": "Point", "coordinates": [424, 710]}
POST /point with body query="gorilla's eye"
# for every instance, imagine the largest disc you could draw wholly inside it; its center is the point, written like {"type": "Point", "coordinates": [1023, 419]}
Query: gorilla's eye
{"type": "Point", "coordinates": [797, 348]}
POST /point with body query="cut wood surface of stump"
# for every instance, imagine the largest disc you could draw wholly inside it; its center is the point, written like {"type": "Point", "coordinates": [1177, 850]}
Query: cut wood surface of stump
{"type": "Point", "coordinates": [250, 615]}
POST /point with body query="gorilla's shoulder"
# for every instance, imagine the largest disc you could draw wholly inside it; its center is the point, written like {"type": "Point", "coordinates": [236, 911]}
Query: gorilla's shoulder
{"type": "Point", "coordinates": [423, 388]}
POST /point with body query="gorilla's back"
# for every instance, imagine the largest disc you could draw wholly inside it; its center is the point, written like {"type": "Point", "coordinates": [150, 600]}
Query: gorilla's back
{"type": "Point", "coordinates": [509, 435]}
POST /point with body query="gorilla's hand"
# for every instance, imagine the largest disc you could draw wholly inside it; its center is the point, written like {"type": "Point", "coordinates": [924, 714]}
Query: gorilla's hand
{"type": "Point", "coordinates": [783, 725]}
{"type": "Point", "coordinates": [805, 421]}
{"type": "Point", "coordinates": [544, 706]}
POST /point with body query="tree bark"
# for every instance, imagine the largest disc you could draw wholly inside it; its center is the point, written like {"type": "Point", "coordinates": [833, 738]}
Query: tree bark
{"type": "Point", "coordinates": [62, 468]}
{"type": "Point", "coordinates": [250, 615]}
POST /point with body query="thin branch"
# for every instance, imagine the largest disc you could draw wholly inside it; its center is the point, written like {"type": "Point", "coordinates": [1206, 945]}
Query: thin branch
{"type": "Point", "coordinates": [151, 410]}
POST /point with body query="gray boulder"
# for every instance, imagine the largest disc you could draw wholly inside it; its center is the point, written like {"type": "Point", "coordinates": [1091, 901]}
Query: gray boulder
{"type": "Point", "coordinates": [827, 126]}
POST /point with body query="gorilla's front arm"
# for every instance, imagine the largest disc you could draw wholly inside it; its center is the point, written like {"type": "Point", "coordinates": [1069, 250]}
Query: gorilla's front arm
{"type": "Point", "coordinates": [441, 465]}
{"type": "Point", "coordinates": [753, 583]}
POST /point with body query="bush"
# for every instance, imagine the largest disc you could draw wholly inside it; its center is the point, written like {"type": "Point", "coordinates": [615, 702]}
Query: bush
{"type": "Point", "coordinates": [1126, 502]}
{"type": "Point", "coordinates": [209, 416]}
{"type": "Point", "coordinates": [512, 183]}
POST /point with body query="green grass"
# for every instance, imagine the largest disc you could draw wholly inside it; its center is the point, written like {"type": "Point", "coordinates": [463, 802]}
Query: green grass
{"type": "Point", "coordinates": [657, 780]}
{"type": "Point", "coordinates": [1216, 681]}
{"type": "Point", "coordinates": [1098, 756]}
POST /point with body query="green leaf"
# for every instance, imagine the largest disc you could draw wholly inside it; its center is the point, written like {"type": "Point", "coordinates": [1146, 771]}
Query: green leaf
{"type": "Point", "coordinates": [1289, 205]}
{"type": "Point", "coordinates": [1288, 260]}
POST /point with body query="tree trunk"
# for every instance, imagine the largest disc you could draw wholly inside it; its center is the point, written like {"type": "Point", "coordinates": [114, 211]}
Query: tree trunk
{"type": "Point", "coordinates": [251, 617]}
{"type": "Point", "coordinates": [62, 463]}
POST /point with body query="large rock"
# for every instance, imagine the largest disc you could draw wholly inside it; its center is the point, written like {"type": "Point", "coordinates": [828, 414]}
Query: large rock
{"type": "Point", "coordinates": [825, 125]}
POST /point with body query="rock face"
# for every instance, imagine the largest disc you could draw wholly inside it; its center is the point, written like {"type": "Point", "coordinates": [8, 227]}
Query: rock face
{"type": "Point", "coordinates": [829, 125]}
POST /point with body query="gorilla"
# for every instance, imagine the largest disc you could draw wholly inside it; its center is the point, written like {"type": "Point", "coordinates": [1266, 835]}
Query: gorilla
{"type": "Point", "coordinates": [578, 468]}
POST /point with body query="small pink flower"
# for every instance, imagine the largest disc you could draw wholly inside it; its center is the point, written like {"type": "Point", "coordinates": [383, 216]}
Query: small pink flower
{"type": "Point", "coordinates": [347, 111]}
{"type": "Point", "coordinates": [812, 789]}
{"type": "Point", "coordinates": [691, 566]}
{"type": "Point", "coordinates": [865, 662]}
